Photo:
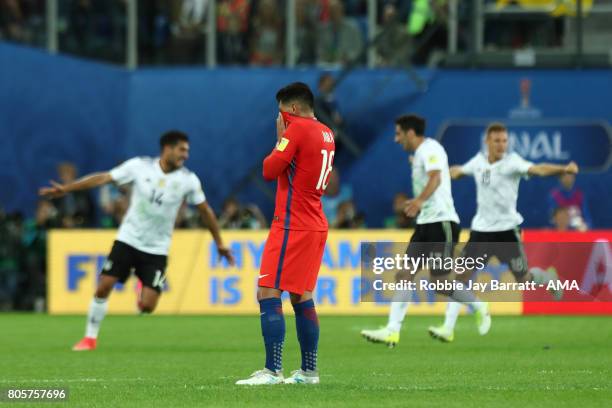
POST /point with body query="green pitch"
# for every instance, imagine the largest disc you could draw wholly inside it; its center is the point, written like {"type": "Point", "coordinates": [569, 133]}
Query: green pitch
{"type": "Point", "coordinates": [163, 361]}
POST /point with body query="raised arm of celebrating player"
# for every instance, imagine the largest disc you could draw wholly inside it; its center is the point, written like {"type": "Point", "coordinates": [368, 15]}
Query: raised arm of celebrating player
{"type": "Point", "coordinates": [98, 179]}
{"type": "Point", "coordinates": [210, 219]}
{"type": "Point", "coordinates": [414, 206]}
{"type": "Point", "coordinates": [548, 169]}
{"type": "Point", "coordinates": [466, 169]}
{"type": "Point", "coordinates": [84, 183]}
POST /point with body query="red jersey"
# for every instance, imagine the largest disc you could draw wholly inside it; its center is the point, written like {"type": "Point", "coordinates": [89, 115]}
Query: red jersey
{"type": "Point", "coordinates": [301, 163]}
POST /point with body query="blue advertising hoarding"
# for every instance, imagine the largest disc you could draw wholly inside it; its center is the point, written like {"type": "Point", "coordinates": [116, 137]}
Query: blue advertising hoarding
{"type": "Point", "coordinates": [586, 142]}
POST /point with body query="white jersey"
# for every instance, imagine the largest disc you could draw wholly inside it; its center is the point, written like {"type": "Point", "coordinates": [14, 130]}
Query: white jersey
{"type": "Point", "coordinates": [155, 201]}
{"type": "Point", "coordinates": [429, 156]}
{"type": "Point", "coordinates": [497, 187]}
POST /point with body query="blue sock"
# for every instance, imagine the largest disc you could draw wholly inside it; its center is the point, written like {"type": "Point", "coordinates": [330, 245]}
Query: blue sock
{"type": "Point", "coordinates": [307, 325]}
{"type": "Point", "coordinates": [273, 331]}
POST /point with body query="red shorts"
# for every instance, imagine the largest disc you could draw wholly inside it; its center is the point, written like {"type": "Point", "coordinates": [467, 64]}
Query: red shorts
{"type": "Point", "coordinates": [291, 260]}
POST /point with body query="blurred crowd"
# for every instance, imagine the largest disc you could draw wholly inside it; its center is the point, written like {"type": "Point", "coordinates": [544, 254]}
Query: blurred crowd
{"type": "Point", "coordinates": [23, 21]}
{"type": "Point", "coordinates": [249, 32]}
{"type": "Point", "coordinates": [253, 32]}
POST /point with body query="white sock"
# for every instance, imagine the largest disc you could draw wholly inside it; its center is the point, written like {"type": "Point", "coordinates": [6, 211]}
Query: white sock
{"type": "Point", "coordinates": [467, 297]}
{"type": "Point", "coordinates": [97, 311]}
{"type": "Point", "coordinates": [540, 275]}
{"type": "Point", "coordinates": [450, 316]}
{"type": "Point", "coordinates": [398, 309]}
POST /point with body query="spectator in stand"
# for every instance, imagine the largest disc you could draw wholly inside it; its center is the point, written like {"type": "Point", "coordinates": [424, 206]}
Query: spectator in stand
{"type": "Point", "coordinates": [253, 218]}
{"type": "Point", "coordinates": [81, 26]}
{"type": "Point", "coordinates": [11, 20]}
{"type": "Point", "coordinates": [155, 17]}
{"type": "Point", "coordinates": [570, 197]}
{"type": "Point", "coordinates": [306, 31]}
{"type": "Point", "coordinates": [427, 26]}
{"type": "Point", "coordinates": [399, 219]}
{"type": "Point", "coordinates": [561, 219]}
{"type": "Point", "coordinates": [23, 21]}
{"type": "Point", "coordinates": [232, 26]}
{"type": "Point", "coordinates": [394, 47]}
{"type": "Point", "coordinates": [267, 43]}
{"type": "Point", "coordinates": [356, 7]}
{"type": "Point", "coordinates": [230, 214]}
{"type": "Point", "coordinates": [10, 257]}
{"type": "Point", "coordinates": [32, 287]}
{"type": "Point", "coordinates": [114, 201]}
{"type": "Point", "coordinates": [188, 30]}
{"type": "Point", "coordinates": [76, 209]}
{"type": "Point", "coordinates": [236, 216]}
{"type": "Point", "coordinates": [323, 10]}
{"type": "Point", "coordinates": [335, 194]}
{"type": "Point", "coordinates": [347, 217]}
{"type": "Point", "coordinates": [340, 40]}
{"type": "Point", "coordinates": [187, 218]}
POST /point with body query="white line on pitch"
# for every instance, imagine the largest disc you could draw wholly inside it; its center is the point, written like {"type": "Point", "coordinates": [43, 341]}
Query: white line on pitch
{"type": "Point", "coordinates": [74, 380]}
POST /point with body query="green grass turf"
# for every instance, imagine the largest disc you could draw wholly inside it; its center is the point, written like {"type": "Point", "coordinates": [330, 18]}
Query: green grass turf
{"type": "Point", "coordinates": [166, 361]}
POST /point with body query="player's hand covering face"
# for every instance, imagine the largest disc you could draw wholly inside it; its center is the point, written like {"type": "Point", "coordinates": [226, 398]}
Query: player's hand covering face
{"type": "Point", "coordinates": [280, 127]}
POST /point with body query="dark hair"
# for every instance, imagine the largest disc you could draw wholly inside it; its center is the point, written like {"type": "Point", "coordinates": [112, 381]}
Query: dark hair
{"type": "Point", "coordinates": [411, 122]}
{"type": "Point", "coordinates": [172, 137]}
{"type": "Point", "coordinates": [296, 92]}
{"type": "Point", "coordinates": [496, 127]}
